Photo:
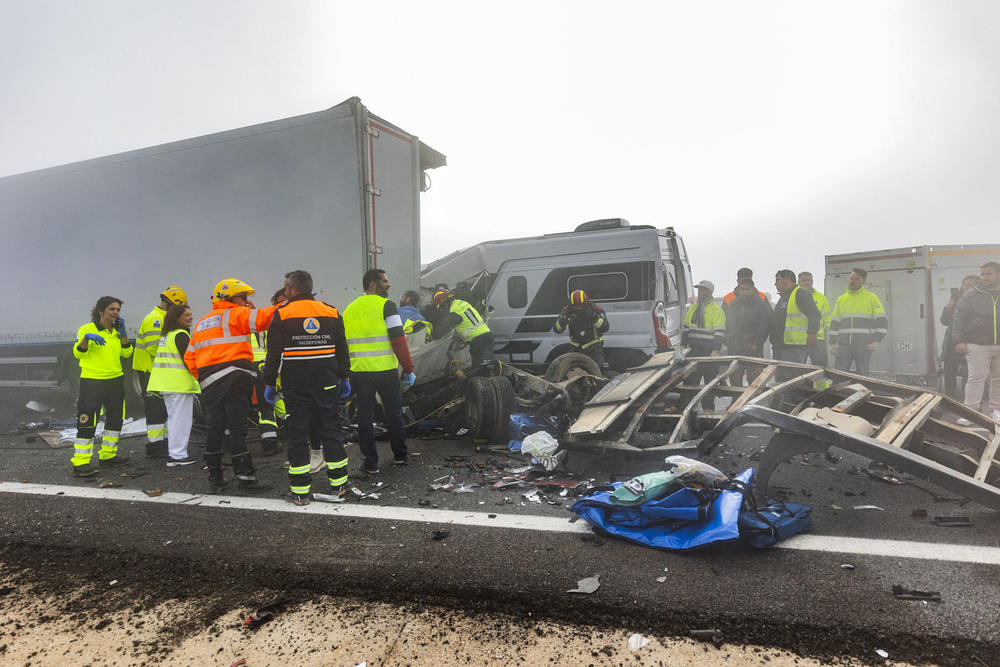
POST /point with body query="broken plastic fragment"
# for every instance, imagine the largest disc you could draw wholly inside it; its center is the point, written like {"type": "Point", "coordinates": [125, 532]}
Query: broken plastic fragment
{"type": "Point", "coordinates": [846, 566]}
{"type": "Point", "coordinates": [588, 585]}
{"type": "Point", "coordinates": [869, 507]}
{"type": "Point", "coordinates": [636, 642]}
{"type": "Point", "coordinates": [901, 593]}
{"type": "Point", "coordinates": [881, 653]}
{"type": "Point", "coordinates": [661, 579]}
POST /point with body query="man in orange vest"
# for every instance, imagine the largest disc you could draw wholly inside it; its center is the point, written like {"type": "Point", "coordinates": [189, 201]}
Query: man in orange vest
{"type": "Point", "coordinates": [221, 357]}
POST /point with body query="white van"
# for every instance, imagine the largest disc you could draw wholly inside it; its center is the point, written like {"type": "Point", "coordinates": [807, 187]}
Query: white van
{"type": "Point", "coordinates": [639, 275]}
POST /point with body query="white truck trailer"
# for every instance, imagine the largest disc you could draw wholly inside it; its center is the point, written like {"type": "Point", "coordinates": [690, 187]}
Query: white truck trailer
{"type": "Point", "coordinates": [334, 192]}
{"type": "Point", "coordinates": [914, 285]}
{"type": "Point", "coordinates": [639, 274]}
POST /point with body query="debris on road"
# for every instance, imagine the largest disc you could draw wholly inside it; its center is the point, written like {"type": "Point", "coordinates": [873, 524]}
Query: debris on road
{"type": "Point", "coordinates": [263, 614]}
{"type": "Point", "coordinates": [636, 642]}
{"type": "Point", "coordinates": [901, 593]}
{"type": "Point", "coordinates": [953, 521]}
{"type": "Point", "coordinates": [713, 635]}
{"type": "Point", "coordinates": [588, 585]}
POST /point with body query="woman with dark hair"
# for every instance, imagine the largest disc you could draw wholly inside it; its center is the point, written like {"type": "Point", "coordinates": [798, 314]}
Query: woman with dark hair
{"type": "Point", "coordinates": [100, 346]}
{"type": "Point", "coordinates": [171, 378]}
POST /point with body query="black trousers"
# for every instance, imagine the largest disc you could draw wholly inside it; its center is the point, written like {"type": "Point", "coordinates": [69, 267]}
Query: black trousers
{"type": "Point", "coordinates": [227, 401]}
{"type": "Point", "coordinates": [155, 409]}
{"type": "Point", "coordinates": [312, 411]}
{"type": "Point", "coordinates": [97, 394]}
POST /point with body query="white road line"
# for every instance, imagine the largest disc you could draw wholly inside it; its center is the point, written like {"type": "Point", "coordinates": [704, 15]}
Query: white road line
{"type": "Point", "coordinates": [957, 553]}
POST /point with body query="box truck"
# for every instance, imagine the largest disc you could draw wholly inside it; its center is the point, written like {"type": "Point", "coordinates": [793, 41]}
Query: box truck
{"type": "Point", "coordinates": [334, 192]}
{"type": "Point", "coordinates": [638, 274]}
{"type": "Point", "coordinates": [914, 284]}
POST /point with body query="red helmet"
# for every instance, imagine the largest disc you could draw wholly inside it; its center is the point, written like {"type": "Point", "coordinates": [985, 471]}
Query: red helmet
{"type": "Point", "coordinates": [441, 296]}
{"type": "Point", "coordinates": [578, 297]}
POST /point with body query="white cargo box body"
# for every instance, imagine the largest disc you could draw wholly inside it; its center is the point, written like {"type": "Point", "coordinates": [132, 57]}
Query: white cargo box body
{"type": "Point", "coordinates": [640, 275]}
{"type": "Point", "coordinates": [914, 285]}
{"type": "Point", "coordinates": [334, 192]}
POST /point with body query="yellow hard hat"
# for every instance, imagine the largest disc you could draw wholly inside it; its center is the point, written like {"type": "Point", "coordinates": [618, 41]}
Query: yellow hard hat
{"type": "Point", "coordinates": [175, 295]}
{"type": "Point", "coordinates": [230, 287]}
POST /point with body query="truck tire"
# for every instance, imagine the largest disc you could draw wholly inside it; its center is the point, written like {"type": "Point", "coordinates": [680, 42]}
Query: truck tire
{"type": "Point", "coordinates": [481, 408]}
{"type": "Point", "coordinates": [560, 368]}
{"type": "Point", "coordinates": [506, 405]}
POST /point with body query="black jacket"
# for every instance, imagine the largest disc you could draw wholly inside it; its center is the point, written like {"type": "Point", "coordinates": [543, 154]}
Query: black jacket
{"type": "Point", "coordinates": [747, 324]}
{"type": "Point", "coordinates": [306, 341]}
{"type": "Point", "coordinates": [976, 318]}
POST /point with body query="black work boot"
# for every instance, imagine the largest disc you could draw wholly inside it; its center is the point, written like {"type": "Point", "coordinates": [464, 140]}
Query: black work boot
{"type": "Point", "coordinates": [157, 450]}
{"type": "Point", "coordinates": [216, 482]}
{"type": "Point", "coordinates": [246, 476]}
{"type": "Point", "coordinates": [269, 446]}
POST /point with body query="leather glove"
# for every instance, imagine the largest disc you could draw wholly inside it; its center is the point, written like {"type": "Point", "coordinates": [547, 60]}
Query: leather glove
{"type": "Point", "coordinates": [120, 327]}
{"type": "Point", "coordinates": [345, 388]}
{"type": "Point", "coordinates": [94, 338]}
{"type": "Point", "coordinates": [409, 379]}
{"type": "Point", "coordinates": [270, 394]}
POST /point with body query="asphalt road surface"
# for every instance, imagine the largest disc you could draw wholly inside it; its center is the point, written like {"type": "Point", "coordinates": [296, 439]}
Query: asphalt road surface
{"type": "Point", "coordinates": [516, 550]}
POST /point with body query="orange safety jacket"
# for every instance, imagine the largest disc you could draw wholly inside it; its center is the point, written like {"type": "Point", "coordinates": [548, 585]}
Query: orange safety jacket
{"type": "Point", "coordinates": [220, 343]}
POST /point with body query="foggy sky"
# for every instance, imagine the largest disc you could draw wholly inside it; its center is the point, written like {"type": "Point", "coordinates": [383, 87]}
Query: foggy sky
{"type": "Point", "coordinates": [766, 133]}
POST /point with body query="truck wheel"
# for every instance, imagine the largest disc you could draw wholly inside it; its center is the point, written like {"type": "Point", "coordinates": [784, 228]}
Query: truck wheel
{"type": "Point", "coordinates": [562, 366]}
{"type": "Point", "coordinates": [506, 404]}
{"type": "Point", "coordinates": [481, 408]}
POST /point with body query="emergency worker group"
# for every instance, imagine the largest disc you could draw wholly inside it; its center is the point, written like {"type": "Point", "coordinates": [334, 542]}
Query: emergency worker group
{"type": "Point", "coordinates": [318, 356]}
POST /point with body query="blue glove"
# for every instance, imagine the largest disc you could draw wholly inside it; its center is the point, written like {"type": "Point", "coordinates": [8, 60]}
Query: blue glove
{"type": "Point", "coordinates": [120, 327]}
{"type": "Point", "coordinates": [409, 379]}
{"type": "Point", "coordinates": [95, 338]}
{"type": "Point", "coordinates": [345, 388]}
{"type": "Point", "coordinates": [270, 394]}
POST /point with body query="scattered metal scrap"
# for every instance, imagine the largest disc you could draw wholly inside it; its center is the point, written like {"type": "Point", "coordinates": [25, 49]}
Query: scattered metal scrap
{"type": "Point", "coordinates": [656, 410]}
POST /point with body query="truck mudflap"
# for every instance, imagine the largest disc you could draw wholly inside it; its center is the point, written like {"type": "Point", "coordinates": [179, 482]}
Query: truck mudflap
{"type": "Point", "coordinates": [657, 409]}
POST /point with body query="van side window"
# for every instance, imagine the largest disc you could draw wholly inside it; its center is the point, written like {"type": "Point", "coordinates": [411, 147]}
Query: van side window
{"type": "Point", "coordinates": [600, 286]}
{"type": "Point", "coordinates": [670, 292]}
{"type": "Point", "coordinates": [517, 292]}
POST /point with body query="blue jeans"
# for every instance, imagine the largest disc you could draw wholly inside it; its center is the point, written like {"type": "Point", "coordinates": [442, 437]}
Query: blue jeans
{"type": "Point", "coordinates": [386, 384]}
{"type": "Point", "coordinates": [859, 354]}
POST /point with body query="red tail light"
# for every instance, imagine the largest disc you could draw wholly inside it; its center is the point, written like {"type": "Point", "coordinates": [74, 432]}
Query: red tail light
{"type": "Point", "coordinates": [660, 325]}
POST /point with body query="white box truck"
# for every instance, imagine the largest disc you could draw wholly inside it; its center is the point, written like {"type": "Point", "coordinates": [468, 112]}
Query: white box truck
{"type": "Point", "coordinates": [914, 284]}
{"type": "Point", "coordinates": [639, 274]}
{"type": "Point", "coordinates": [334, 192]}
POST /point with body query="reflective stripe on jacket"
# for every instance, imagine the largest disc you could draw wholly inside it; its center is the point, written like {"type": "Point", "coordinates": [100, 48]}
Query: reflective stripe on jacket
{"type": "Point", "coordinates": [220, 344]}
{"type": "Point", "coordinates": [825, 314]}
{"type": "Point", "coordinates": [712, 335]}
{"type": "Point", "coordinates": [858, 319]}
{"type": "Point", "coordinates": [368, 335]}
{"type": "Point", "coordinates": [170, 375]}
{"type": "Point", "coordinates": [306, 342]}
{"type": "Point", "coordinates": [147, 340]}
{"type": "Point", "coordinates": [796, 322]}
{"type": "Point", "coordinates": [472, 325]}
{"type": "Point", "coordinates": [586, 325]}
{"type": "Point", "coordinates": [101, 362]}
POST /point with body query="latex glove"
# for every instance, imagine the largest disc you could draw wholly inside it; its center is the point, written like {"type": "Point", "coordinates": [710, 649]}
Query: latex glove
{"type": "Point", "coordinates": [95, 338]}
{"type": "Point", "coordinates": [715, 353]}
{"type": "Point", "coordinates": [120, 327]}
{"type": "Point", "coordinates": [871, 346]}
{"type": "Point", "coordinates": [270, 394]}
{"type": "Point", "coordinates": [345, 388]}
{"type": "Point", "coordinates": [409, 379]}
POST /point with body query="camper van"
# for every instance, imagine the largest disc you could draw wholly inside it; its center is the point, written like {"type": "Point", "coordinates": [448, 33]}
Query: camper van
{"type": "Point", "coordinates": [638, 274]}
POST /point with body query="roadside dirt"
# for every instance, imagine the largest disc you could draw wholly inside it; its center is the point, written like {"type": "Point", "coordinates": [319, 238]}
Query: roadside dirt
{"type": "Point", "coordinates": [69, 618]}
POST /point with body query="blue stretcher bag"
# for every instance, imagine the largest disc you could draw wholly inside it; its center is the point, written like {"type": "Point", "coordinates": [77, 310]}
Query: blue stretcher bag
{"type": "Point", "coordinates": [693, 518]}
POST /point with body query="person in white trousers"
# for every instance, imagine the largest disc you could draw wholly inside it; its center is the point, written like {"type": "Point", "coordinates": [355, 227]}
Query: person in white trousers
{"type": "Point", "coordinates": [171, 379]}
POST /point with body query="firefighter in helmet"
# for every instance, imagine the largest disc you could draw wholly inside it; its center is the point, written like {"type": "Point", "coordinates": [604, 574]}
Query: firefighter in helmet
{"type": "Point", "coordinates": [587, 323]}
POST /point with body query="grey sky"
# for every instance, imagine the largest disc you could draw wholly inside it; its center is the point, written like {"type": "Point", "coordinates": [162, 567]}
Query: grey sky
{"type": "Point", "coordinates": [767, 133]}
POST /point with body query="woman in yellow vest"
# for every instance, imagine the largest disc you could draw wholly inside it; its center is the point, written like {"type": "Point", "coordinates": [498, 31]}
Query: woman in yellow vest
{"type": "Point", "coordinates": [100, 346]}
{"type": "Point", "coordinates": [171, 378]}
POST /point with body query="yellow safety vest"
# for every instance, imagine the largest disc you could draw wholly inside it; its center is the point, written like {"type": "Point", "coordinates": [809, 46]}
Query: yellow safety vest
{"type": "Point", "coordinates": [368, 336]}
{"type": "Point", "coordinates": [796, 322]}
{"type": "Point", "coordinates": [101, 362]}
{"type": "Point", "coordinates": [472, 324]}
{"type": "Point", "coordinates": [170, 375]}
{"type": "Point", "coordinates": [147, 339]}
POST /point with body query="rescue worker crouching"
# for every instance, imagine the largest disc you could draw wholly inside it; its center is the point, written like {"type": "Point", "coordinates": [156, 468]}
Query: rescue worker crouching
{"type": "Point", "coordinates": [587, 323]}
{"type": "Point", "coordinates": [307, 340]}
{"type": "Point", "coordinates": [146, 343]}
{"type": "Point", "coordinates": [221, 357]}
{"type": "Point", "coordinates": [462, 318]}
